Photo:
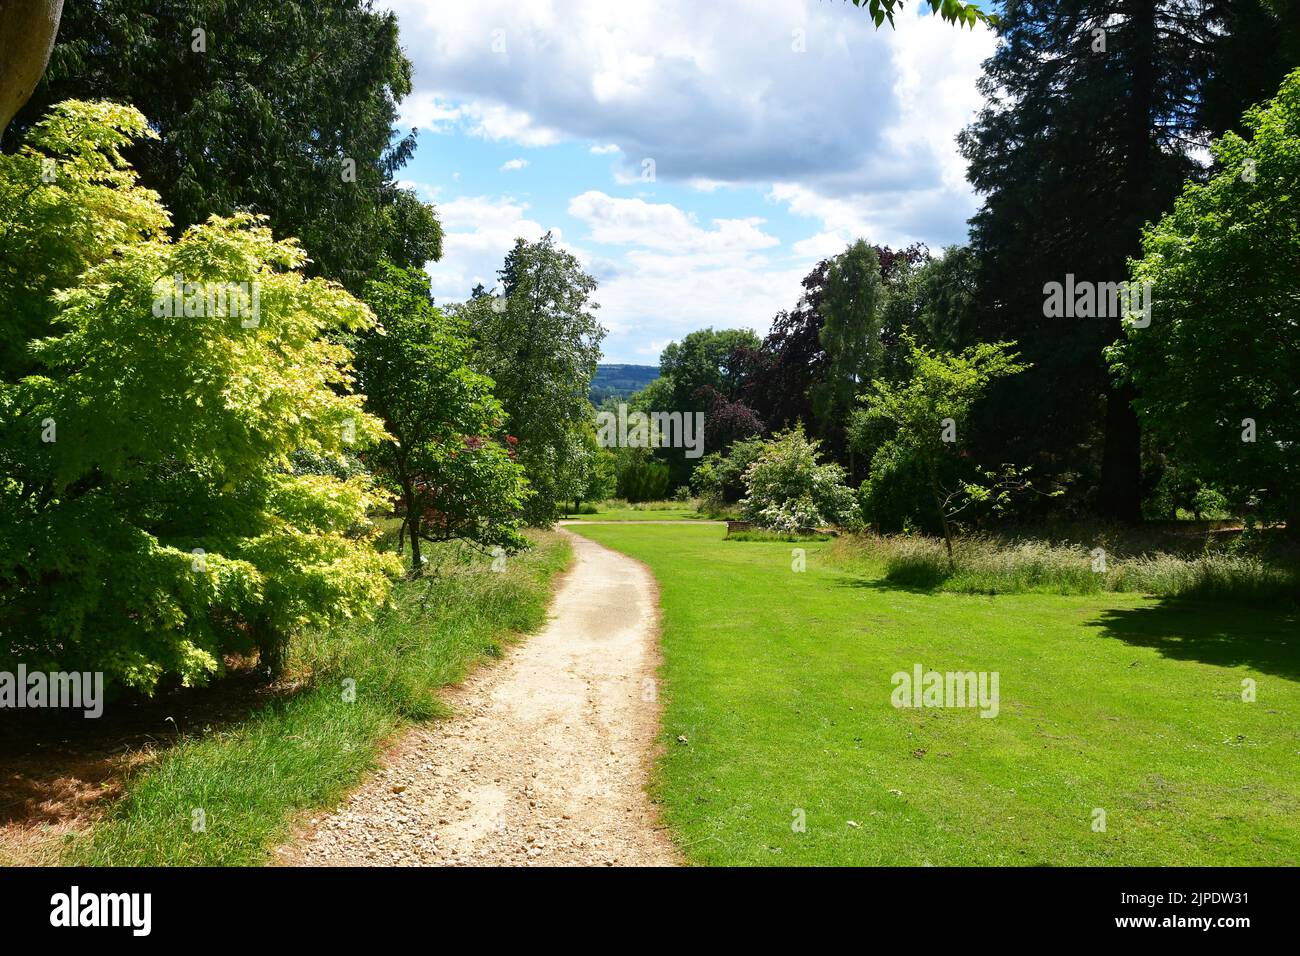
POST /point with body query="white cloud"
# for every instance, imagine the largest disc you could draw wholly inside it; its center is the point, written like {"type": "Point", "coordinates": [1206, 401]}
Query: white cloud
{"type": "Point", "coordinates": [662, 226]}
{"type": "Point", "coordinates": [717, 91]}
{"type": "Point", "coordinates": [477, 233]}
{"type": "Point", "coordinates": [510, 164]}
{"type": "Point", "coordinates": [676, 275]}
{"type": "Point", "coordinates": [431, 112]}
{"type": "Point", "coordinates": [853, 135]}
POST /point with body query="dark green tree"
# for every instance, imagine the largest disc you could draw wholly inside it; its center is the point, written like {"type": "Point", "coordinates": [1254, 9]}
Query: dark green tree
{"type": "Point", "coordinates": [1218, 368]}
{"type": "Point", "coordinates": [286, 109]}
{"type": "Point", "coordinates": [851, 306]}
{"type": "Point", "coordinates": [705, 359]}
{"type": "Point", "coordinates": [1092, 120]}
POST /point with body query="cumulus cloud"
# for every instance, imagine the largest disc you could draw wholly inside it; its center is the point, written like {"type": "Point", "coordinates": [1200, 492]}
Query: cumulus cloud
{"type": "Point", "coordinates": [510, 164]}
{"type": "Point", "coordinates": [477, 233]}
{"type": "Point", "coordinates": [663, 226]}
{"type": "Point", "coordinates": [841, 125]}
{"type": "Point", "coordinates": [754, 91]}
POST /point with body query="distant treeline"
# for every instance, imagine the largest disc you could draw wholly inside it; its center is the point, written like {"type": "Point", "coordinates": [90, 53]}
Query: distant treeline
{"type": "Point", "coordinates": [620, 381]}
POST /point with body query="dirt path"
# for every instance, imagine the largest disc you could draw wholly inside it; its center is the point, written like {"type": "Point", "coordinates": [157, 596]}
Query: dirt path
{"type": "Point", "coordinates": [547, 757]}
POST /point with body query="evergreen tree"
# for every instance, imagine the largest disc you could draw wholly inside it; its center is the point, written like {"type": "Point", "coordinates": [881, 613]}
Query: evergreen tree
{"type": "Point", "coordinates": [1097, 111]}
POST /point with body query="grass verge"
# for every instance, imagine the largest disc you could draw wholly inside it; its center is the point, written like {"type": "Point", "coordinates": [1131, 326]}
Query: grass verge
{"type": "Point", "coordinates": [781, 744]}
{"type": "Point", "coordinates": [986, 565]}
{"type": "Point", "coordinates": [308, 749]}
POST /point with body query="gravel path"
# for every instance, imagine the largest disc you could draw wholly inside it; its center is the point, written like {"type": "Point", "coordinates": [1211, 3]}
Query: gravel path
{"type": "Point", "coordinates": [547, 758]}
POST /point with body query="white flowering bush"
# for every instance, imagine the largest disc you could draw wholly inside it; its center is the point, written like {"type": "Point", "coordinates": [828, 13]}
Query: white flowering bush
{"type": "Point", "coordinates": [788, 489]}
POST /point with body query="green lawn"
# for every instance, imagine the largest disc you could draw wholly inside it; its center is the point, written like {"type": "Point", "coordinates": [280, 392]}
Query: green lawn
{"type": "Point", "coordinates": [640, 514]}
{"type": "Point", "coordinates": [781, 684]}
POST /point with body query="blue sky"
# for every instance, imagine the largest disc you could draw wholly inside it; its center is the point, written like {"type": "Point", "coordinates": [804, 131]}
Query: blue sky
{"type": "Point", "coordinates": [778, 131]}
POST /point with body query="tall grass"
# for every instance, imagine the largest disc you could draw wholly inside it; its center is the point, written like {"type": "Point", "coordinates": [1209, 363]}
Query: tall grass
{"type": "Point", "coordinates": [308, 748]}
{"type": "Point", "coordinates": [988, 565]}
{"type": "Point", "coordinates": [621, 504]}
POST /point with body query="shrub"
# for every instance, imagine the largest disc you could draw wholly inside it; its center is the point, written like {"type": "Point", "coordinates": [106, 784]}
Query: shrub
{"type": "Point", "coordinates": [789, 490]}
{"type": "Point", "coordinates": [641, 478]}
{"type": "Point", "coordinates": [719, 479]}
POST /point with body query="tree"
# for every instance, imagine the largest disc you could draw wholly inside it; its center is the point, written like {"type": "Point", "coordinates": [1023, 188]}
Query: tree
{"type": "Point", "coordinates": [1094, 119]}
{"type": "Point", "coordinates": [706, 358]}
{"type": "Point", "coordinates": [946, 292]}
{"type": "Point", "coordinates": [284, 109]}
{"type": "Point", "coordinates": [1217, 368]}
{"type": "Point", "coordinates": [726, 422]}
{"type": "Point", "coordinates": [153, 518]}
{"type": "Point", "coordinates": [925, 413]}
{"type": "Point", "coordinates": [639, 476]}
{"type": "Point", "coordinates": [781, 375]}
{"type": "Point", "coordinates": [720, 478]}
{"type": "Point", "coordinates": [451, 466]}
{"type": "Point", "coordinates": [539, 343]}
{"type": "Point", "coordinates": [851, 306]}
{"type": "Point", "coordinates": [68, 199]}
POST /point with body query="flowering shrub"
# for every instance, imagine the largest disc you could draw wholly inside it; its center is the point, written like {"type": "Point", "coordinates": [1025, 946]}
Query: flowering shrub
{"type": "Point", "coordinates": [788, 489]}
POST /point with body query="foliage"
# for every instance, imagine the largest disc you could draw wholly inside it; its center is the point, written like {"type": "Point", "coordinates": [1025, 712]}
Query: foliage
{"type": "Point", "coordinates": [851, 304]}
{"type": "Point", "coordinates": [925, 413]}
{"type": "Point", "coordinates": [788, 489]}
{"type": "Point", "coordinates": [267, 115]}
{"type": "Point", "coordinates": [720, 478]}
{"type": "Point", "coordinates": [945, 290]}
{"type": "Point", "coordinates": [1074, 151]}
{"type": "Point", "coordinates": [962, 14]}
{"type": "Point", "coordinates": [726, 422]}
{"type": "Point", "coordinates": [540, 342]}
{"type": "Point", "coordinates": [639, 476]}
{"type": "Point", "coordinates": [706, 358]}
{"type": "Point", "coordinates": [1018, 565]}
{"type": "Point", "coordinates": [782, 374]}
{"type": "Point", "coordinates": [1220, 351]}
{"type": "Point", "coordinates": [152, 517]}
{"type": "Point", "coordinates": [451, 466]}
{"type": "Point", "coordinates": [68, 199]}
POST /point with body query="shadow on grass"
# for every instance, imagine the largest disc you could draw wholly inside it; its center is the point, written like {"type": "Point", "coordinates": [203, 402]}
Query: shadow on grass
{"type": "Point", "coordinates": [1228, 635]}
{"type": "Point", "coordinates": [911, 585]}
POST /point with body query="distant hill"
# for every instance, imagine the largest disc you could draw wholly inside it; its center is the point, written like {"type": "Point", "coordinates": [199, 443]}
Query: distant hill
{"type": "Point", "coordinates": [620, 381]}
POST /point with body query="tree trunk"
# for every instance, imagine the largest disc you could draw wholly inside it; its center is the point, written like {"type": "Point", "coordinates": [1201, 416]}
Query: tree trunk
{"type": "Point", "coordinates": [1121, 461]}
{"type": "Point", "coordinates": [27, 31]}
{"type": "Point", "coordinates": [1121, 458]}
{"type": "Point", "coordinates": [943, 518]}
{"type": "Point", "coordinates": [413, 526]}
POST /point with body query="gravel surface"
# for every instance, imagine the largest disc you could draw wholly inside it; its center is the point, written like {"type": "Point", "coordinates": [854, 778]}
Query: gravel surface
{"type": "Point", "coordinates": [547, 758]}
